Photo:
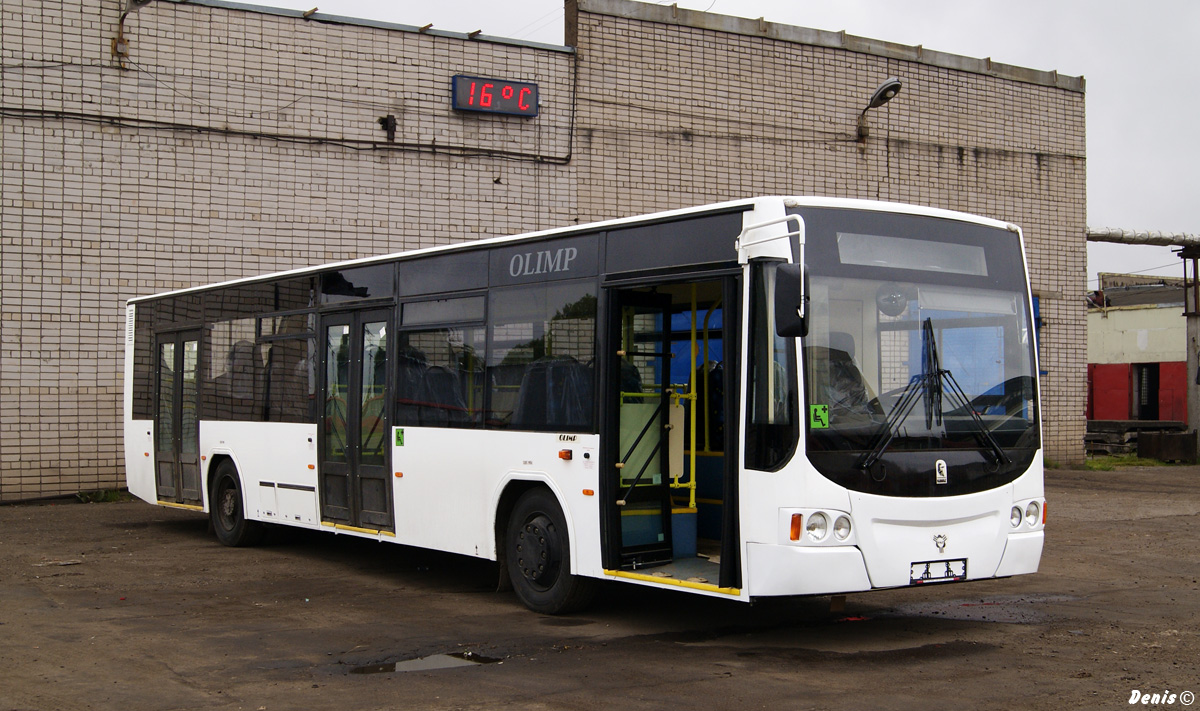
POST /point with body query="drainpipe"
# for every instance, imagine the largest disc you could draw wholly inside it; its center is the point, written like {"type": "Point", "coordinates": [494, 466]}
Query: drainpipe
{"type": "Point", "coordinates": [1191, 311]}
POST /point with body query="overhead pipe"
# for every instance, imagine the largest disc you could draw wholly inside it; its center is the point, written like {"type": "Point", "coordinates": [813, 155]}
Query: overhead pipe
{"type": "Point", "coordinates": [1152, 237]}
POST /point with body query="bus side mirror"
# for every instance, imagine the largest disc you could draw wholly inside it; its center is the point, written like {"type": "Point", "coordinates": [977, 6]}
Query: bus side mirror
{"type": "Point", "coordinates": [790, 298]}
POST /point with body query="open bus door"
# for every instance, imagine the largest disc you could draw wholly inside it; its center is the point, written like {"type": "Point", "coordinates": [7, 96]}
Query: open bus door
{"type": "Point", "coordinates": [640, 398]}
{"type": "Point", "coordinates": [672, 436]}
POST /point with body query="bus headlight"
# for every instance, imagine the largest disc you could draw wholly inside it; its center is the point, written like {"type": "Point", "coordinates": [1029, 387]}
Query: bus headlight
{"type": "Point", "coordinates": [817, 527]}
{"type": "Point", "coordinates": [1032, 513]}
{"type": "Point", "coordinates": [841, 528]}
{"type": "Point", "coordinates": [1015, 516]}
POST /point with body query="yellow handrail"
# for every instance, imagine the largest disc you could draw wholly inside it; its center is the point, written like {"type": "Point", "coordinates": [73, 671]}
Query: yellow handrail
{"type": "Point", "coordinates": [694, 350]}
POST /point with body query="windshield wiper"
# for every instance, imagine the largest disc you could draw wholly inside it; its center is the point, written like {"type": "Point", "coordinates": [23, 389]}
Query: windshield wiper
{"type": "Point", "coordinates": [887, 432]}
{"type": "Point", "coordinates": [930, 384]}
{"type": "Point", "coordinates": [931, 368]}
{"type": "Point", "coordinates": [927, 383]}
{"type": "Point", "coordinates": [982, 433]}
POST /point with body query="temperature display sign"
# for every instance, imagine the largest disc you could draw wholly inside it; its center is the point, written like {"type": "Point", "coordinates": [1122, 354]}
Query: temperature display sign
{"type": "Point", "coordinates": [494, 96]}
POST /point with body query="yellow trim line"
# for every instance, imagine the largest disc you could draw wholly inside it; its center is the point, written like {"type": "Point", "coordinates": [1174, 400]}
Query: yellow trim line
{"type": "Point", "coordinates": [344, 527]}
{"type": "Point", "coordinates": [173, 505]}
{"type": "Point", "coordinates": [671, 581]}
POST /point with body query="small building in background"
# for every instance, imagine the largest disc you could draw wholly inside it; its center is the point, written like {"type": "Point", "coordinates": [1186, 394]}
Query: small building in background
{"type": "Point", "coordinates": [1136, 352]}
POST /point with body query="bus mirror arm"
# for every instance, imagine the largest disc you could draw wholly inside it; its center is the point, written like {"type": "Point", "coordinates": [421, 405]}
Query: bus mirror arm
{"type": "Point", "coordinates": [791, 300]}
{"type": "Point", "coordinates": [743, 241]}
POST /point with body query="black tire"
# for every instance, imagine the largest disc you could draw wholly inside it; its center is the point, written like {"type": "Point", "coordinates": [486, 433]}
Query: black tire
{"type": "Point", "coordinates": [538, 556]}
{"type": "Point", "coordinates": [226, 510]}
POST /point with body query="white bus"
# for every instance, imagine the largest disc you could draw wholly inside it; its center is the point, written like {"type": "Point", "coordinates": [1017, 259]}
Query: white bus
{"type": "Point", "coordinates": [767, 397]}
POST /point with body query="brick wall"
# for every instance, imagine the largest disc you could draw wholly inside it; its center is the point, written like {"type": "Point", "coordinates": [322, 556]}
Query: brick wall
{"type": "Point", "coordinates": [234, 143]}
{"type": "Point", "coordinates": [230, 143]}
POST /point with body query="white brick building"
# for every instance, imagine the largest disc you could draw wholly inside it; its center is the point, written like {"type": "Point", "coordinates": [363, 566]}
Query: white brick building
{"type": "Point", "coordinates": [232, 141]}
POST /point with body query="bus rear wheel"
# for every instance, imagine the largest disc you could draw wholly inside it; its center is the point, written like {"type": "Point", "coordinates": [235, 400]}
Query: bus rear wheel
{"type": "Point", "coordinates": [538, 556]}
{"type": "Point", "coordinates": [226, 510]}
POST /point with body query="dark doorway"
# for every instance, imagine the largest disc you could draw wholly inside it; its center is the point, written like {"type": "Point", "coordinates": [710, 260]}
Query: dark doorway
{"type": "Point", "coordinates": [1145, 391]}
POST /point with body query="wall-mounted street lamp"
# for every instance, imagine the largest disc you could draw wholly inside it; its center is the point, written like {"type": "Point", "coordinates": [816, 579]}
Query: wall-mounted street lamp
{"type": "Point", "coordinates": [132, 6]}
{"type": "Point", "coordinates": [120, 45]}
{"type": "Point", "coordinates": [883, 94]}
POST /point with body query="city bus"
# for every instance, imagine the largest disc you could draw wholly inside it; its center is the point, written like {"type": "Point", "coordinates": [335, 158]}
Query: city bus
{"type": "Point", "coordinates": [776, 396]}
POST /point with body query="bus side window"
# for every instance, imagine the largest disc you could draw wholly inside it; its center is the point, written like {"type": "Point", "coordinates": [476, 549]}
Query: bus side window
{"type": "Point", "coordinates": [555, 393]}
{"type": "Point", "coordinates": [439, 362]}
{"type": "Point", "coordinates": [235, 372]}
{"type": "Point", "coordinates": [439, 379]}
{"type": "Point", "coordinates": [143, 362]}
{"type": "Point", "coordinates": [290, 381]}
{"type": "Point", "coordinates": [540, 363]}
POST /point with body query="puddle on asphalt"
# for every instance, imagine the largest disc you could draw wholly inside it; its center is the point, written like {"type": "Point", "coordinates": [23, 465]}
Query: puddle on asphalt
{"type": "Point", "coordinates": [430, 663]}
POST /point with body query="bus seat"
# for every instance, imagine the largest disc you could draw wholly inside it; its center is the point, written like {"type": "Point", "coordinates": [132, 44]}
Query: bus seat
{"type": "Point", "coordinates": [443, 401]}
{"type": "Point", "coordinates": [838, 382]}
{"type": "Point", "coordinates": [555, 392]}
{"type": "Point", "coordinates": [410, 381]}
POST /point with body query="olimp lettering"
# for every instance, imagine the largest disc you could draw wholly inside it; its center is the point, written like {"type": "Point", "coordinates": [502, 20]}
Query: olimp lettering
{"type": "Point", "coordinates": [531, 263]}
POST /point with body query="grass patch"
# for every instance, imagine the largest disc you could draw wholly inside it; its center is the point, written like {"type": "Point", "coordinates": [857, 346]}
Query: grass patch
{"type": "Point", "coordinates": [1109, 462]}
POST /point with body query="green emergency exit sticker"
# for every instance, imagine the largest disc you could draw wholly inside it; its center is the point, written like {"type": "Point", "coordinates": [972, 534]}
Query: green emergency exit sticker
{"type": "Point", "coordinates": [399, 436]}
{"type": "Point", "coordinates": [818, 417]}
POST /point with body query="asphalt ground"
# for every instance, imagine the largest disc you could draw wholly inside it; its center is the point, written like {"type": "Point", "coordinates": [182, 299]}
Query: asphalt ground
{"type": "Point", "coordinates": [130, 606]}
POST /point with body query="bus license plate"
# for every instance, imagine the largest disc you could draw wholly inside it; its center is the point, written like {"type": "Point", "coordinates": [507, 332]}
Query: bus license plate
{"type": "Point", "coordinates": [937, 571]}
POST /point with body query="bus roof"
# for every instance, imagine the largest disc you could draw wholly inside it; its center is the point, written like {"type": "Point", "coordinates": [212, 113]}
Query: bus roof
{"type": "Point", "coordinates": [743, 204]}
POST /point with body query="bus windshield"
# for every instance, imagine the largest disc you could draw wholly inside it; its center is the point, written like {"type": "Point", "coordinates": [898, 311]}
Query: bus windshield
{"type": "Point", "coordinates": [918, 365]}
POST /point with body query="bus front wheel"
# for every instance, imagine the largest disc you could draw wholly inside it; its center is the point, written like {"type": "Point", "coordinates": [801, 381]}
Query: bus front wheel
{"type": "Point", "coordinates": [538, 556]}
{"type": "Point", "coordinates": [226, 510]}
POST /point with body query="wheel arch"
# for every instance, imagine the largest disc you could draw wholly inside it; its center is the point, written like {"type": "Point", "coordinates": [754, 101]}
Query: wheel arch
{"type": "Point", "coordinates": [214, 464]}
{"type": "Point", "coordinates": [241, 529]}
{"type": "Point", "coordinates": [512, 489]}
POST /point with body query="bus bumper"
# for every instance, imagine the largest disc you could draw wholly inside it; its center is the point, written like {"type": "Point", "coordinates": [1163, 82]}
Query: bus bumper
{"type": "Point", "coordinates": [1022, 554]}
{"type": "Point", "coordinates": [796, 570]}
{"type": "Point", "coordinates": [827, 570]}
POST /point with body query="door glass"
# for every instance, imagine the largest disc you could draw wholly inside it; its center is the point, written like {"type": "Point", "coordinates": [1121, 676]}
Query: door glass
{"type": "Point", "coordinates": [166, 397]}
{"type": "Point", "coordinates": [644, 410]}
{"type": "Point", "coordinates": [771, 401]}
{"type": "Point", "coordinates": [641, 398]}
{"type": "Point", "coordinates": [373, 399]}
{"type": "Point", "coordinates": [191, 363]}
{"type": "Point", "coordinates": [337, 379]}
